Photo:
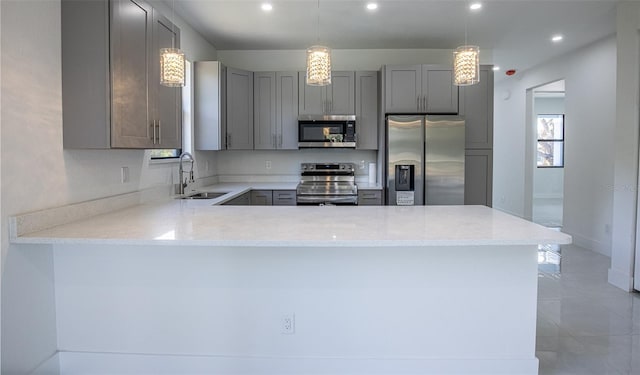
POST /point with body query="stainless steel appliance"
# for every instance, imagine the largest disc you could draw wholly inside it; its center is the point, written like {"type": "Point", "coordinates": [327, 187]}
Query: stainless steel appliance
{"type": "Point", "coordinates": [327, 183]}
{"type": "Point", "coordinates": [326, 131]}
{"type": "Point", "coordinates": [425, 160]}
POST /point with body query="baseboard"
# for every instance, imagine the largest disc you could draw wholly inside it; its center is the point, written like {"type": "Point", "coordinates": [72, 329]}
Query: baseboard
{"type": "Point", "coordinates": [620, 280]}
{"type": "Point", "coordinates": [588, 243]}
{"type": "Point", "coordinates": [72, 363]}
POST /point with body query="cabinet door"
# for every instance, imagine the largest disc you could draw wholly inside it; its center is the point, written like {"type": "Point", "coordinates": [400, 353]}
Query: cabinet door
{"type": "Point", "coordinates": [478, 177]}
{"type": "Point", "coordinates": [131, 30]}
{"type": "Point", "coordinates": [340, 94]}
{"type": "Point", "coordinates": [311, 99]}
{"type": "Point", "coordinates": [210, 127]}
{"type": "Point", "coordinates": [166, 101]}
{"type": "Point", "coordinates": [476, 105]}
{"type": "Point", "coordinates": [264, 110]}
{"type": "Point", "coordinates": [367, 110]}
{"type": "Point", "coordinates": [261, 198]}
{"type": "Point", "coordinates": [403, 88]}
{"type": "Point", "coordinates": [287, 110]}
{"type": "Point", "coordinates": [239, 109]}
{"type": "Point", "coordinates": [438, 90]}
{"type": "Point", "coordinates": [242, 200]}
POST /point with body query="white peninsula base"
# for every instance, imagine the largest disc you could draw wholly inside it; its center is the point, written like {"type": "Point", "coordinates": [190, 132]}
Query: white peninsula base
{"type": "Point", "coordinates": [416, 310]}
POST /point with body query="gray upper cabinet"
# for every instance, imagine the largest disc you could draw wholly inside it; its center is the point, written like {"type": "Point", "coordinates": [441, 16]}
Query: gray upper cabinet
{"type": "Point", "coordinates": [287, 110]}
{"type": "Point", "coordinates": [420, 89]}
{"type": "Point", "coordinates": [367, 110]}
{"type": "Point", "coordinates": [439, 92]}
{"type": "Point", "coordinates": [264, 111]}
{"type": "Point", "coordinates": [239, 109]}
{"type": "Point", "coordinates": [476, 105]}
{"type": "Point", "coordinates": [338, 98]}
{"type": "Point", "coordinates": [168, 102]}
{"type": "Point", "coordinates": [210, 105]}
{"type": "Point", "coordinates": [110, 76]}
{"type": "Point", "coordinates": [275, 110]}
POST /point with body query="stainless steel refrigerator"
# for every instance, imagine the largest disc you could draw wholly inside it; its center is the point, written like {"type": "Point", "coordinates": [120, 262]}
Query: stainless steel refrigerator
{"type": "Point", "coordinates": [425, 160]}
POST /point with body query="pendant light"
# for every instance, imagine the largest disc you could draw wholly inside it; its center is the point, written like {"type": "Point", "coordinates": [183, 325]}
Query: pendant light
{"type": "Point", "coordinates": [466, 63]}
{"type": "Point", "coordinates": [318, 62]}
{"type": "Point", "coordinates": [172, 61]}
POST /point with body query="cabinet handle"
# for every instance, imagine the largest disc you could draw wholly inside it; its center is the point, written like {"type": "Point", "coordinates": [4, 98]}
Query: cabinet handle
{"type": "Point", "coordinates": [228, 141]}
{"type": "Point", "coordinates": [274, 141]}
{"type": "Point", "coordinates": [159, 133]}
{"type": "Point", "coordinates": [280, 140]}
{"type": "Point", "coordinates": [418, 102]}
{"type": "Point", "coordinates": [424, 99]}
{"type": "Point", "coordinates": [154, 131]}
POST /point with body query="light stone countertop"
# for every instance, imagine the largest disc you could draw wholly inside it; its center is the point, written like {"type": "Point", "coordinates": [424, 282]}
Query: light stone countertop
{"type": "Point", "coordinates": [200, 223]}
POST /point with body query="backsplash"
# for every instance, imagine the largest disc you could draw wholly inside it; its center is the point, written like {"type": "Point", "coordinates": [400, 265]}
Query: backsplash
{"type": "Point", "coordinates": [287, 163]}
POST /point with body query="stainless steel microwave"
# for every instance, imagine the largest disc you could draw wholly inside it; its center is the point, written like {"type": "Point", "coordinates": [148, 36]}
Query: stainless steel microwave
{"type": "Point", "coordinates": [326, 131]}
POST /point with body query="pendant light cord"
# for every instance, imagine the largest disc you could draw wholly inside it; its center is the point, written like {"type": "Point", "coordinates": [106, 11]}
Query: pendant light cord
{"type": "Point", "coordinates": [318, 28]}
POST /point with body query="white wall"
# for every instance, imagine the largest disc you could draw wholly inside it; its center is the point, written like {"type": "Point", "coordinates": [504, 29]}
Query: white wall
{"type": "Point", "coordinates": [548, 182]}
{"type": "Point", "coordinates": [37, 173]}
{"type": "Point", "coordinates": [590, 103]}
{"type": "Point", "coordinates": [625, 183]}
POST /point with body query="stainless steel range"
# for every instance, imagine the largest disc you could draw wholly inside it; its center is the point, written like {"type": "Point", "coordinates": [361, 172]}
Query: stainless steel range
{"type": "Point", "coordinates": [327, 183]}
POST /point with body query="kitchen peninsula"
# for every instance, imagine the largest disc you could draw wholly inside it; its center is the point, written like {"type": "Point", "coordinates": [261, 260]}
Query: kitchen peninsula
{"type": "Point", "coordinates": [182, 286]}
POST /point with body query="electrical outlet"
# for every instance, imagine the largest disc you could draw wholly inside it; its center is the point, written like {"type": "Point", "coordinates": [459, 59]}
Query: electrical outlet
{"type": "Point", "coordinates": [288, 322]}
{"type": "Point", "coordinates": [206, 165]}
{"type": "Point", "coordinates": [267, 164]}
{"type": "Point", "coordinates": [124, 175]}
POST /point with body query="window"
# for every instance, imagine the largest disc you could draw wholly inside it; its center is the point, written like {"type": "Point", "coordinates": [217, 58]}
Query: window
{"type": "Point", "coordinates": [550, 141]}
{"type": "Point", "coordinates": [159, 154]}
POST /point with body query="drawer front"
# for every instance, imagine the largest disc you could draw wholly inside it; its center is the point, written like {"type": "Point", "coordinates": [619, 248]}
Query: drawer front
{"type": "Point", "coordinates": [369, 198]}
{"type": "Point", "coordinates": [284, 197]}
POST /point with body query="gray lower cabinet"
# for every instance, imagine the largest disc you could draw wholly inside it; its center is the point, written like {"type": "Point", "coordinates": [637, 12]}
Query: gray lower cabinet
{"type": "Point", "coordinates": [111, 95]}
{"type": "Point", "coordinates": [369, 197]}
{"type": "Point", "coordinates": [476, 105]}
{"type": "Point", "coordinates": [420, 89]}
{"type": "Point", "coordinates": [242, 200]}
{"type": "Point", "coordinates": [478, 177]}
{"type": "Point", "coordinates": [284, 198]}
{"type": "Point", "coordinates": [239, 109]}
{"type": "Point", "coordinates": [367, 110]}
{"type": "Point", "coordinates": [275, 110]}
{"type": "Point", "coordinates": [261, 197]}
{"type": "Point", "coordinates": [338, 98]}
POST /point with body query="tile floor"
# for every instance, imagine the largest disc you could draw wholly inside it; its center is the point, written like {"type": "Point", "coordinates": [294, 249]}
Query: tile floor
{"type": "Point", "coordinates": [585, 325]}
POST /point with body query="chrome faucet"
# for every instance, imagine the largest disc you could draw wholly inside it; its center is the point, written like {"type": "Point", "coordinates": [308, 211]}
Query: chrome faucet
{"type": "Point", "coordinates": [185, 180]}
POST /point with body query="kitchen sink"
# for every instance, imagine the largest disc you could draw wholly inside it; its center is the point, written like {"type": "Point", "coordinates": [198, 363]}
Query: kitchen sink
{"type": "Point", "coordinates": [208, 195]}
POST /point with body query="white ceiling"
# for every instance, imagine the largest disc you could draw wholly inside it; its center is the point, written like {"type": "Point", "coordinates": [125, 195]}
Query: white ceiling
{"type": "Point", "coordinates": [517, 32]}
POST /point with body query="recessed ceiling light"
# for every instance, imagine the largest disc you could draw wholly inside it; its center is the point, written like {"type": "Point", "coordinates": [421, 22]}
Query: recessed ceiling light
{"type": "Point", "coordinates": [557, 38]}
{"type": "Point", "coordinates": [267, 7]}
{"type": "Point", "coordinates": [475, 6]}
{"type": "Point", "coordinates": [496, 68]}
{"type": "Point", "coordinates": [372, 6]}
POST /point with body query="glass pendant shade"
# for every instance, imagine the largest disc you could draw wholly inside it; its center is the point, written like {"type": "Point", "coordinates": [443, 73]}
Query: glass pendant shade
{"type": "Point", "coordinates": [466, 65]}
{"type": "Point", "coordinates": [172, 64]}
{"type": "Point", "coordinates": [318, 66]}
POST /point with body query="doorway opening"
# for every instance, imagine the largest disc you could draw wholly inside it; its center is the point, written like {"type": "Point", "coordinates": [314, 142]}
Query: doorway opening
{"type": "Point", "coordinates": [548, 162]}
